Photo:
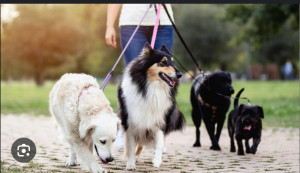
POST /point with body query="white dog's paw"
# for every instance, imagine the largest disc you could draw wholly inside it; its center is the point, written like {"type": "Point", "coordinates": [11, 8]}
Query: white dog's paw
{"type": "Point", "coordinates": [97, 169]}
{"type": "Point", "coordinates": [130, 166]}
{"type": "Point", "coordinates": [71, 162]}
{"type": "Point", "coordinates": [156, 162]}
{"type": "Point", "coordinates": [84, 167]}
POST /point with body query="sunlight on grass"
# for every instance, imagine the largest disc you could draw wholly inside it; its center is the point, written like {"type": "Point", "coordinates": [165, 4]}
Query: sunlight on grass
{"type": "Point", "coordinates": [279, 99]}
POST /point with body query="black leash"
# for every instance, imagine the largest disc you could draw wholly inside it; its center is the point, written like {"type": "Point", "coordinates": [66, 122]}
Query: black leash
{"type": "Point", "coordinates": [193, 58]}
{"type": "Point", "coordinates": [181, 39]}
{"type": "Point", "coordinates": [203, 74]}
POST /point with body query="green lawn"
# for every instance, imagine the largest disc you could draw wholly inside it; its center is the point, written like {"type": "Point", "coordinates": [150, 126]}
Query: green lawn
{"type": "Point", "coordinates": [279, 99]}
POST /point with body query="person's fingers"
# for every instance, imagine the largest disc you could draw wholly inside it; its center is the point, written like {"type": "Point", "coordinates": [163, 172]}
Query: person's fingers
{"type": "Point", "coordinates": [114, 43]}
{"type": "Point", "coordinates": [110, 38]}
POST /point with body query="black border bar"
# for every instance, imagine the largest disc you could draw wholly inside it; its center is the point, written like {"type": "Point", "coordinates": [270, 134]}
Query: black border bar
{"type": "Point", "coordinates": [152, 1]}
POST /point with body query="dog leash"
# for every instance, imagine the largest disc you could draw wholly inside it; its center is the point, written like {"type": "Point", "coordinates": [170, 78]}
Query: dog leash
{"type": "Point", "coordinates": [181, 39]}
{"type": "Point", "coordinates": [193, 58]}
{"type": "Point", "coordinates": [155, 26]}
{"type": "Point", "coordinates": [109, 75]}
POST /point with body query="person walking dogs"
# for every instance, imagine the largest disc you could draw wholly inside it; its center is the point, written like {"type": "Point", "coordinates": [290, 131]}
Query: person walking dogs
{"type": "Point", "coordinates": [130, 17]}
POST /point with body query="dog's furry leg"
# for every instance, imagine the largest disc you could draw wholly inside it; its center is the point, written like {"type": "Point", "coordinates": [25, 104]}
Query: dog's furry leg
{"type": "Point", "coordinates": [240, 145]}
{"type": "Point", "coordinates": [231, 135]}
{"type": "Point", "coordinates": [139, 148]}
{"type": "Point", "coordinates": [219, 127]}
{"type": "Point", "coordinates": [196, 116]}
{"type": "Point", "coordinates": [87, 157]}
{"type": "Point", "coordinates": [159, 144]}
{"type": "Point", "coordinates": [72, 157]}
{"type": "Point", "coordinates": [211, 132]}
{"type": "Point", "coordinates": [130, 149]}
{"type": "Point", "coordinates": [256, 141]}
{"type": "Point", "coordinates": [197, 122]}
{"type": "Point", "coordinates": [247, 146]}
{"type": "Point", "coordinates": [91, 147]}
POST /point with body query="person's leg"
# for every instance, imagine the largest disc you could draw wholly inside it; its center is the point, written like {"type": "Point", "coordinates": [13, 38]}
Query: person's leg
{"type": "Point", "coordinates": [165, 35]}
{"type": "Point", "coordinates": [137, 43]}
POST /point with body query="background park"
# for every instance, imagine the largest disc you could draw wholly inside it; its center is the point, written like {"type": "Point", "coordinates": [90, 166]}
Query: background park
{"type": "Point", "coordinates": [41, 42]}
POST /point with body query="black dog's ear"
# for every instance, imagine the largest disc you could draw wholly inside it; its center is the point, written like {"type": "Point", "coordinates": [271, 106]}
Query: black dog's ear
{"type": "Point", "coordinates": [260, 111]}
{"type": "Point", "coordinates": [228, 75]}
{"type": "Point", "coordinates": [165, 49]}
{"type": "Point", "coordinates": [241, 107]}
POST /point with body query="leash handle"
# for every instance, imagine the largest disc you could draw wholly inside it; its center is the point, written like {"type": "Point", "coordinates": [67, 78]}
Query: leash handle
{"type": "Point", "coordinates": [109, 75]}
{"type": "Point", "coordinates": [155, 27]}
{"type": "Point", "coordinates": [181, 39]}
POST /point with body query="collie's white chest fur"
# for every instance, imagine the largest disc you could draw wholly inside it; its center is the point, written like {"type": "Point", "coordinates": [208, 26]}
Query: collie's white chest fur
{"type": "Point", "coordinates": [146, 112]}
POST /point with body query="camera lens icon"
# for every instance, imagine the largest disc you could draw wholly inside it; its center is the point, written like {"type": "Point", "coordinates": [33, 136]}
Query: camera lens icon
{"type": "Point", "coordinates": [23, 150]}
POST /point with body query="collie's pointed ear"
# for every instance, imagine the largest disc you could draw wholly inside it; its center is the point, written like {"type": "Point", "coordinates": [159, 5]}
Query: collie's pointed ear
{"type": "Point", "coordinates": [165, 49]}
{"type": "Point", "coordinates": [147, 46]}
{"type": "Point", "coordinates": [147, 50]}
{"type": "Point", "coordinates": [84, 128]}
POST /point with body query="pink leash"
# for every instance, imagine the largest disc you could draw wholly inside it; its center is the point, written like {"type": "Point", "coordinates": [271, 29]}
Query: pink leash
{"type": "Point", "coordinates": [155, 27]}
{"type": "Point", "coordinates": [109, 75]}
{"type": "Point", "coordinates": [152, 43]}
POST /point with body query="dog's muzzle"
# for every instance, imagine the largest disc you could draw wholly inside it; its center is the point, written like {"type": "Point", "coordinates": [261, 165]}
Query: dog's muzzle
{"type": "Point", "coordinates": [178, 74]}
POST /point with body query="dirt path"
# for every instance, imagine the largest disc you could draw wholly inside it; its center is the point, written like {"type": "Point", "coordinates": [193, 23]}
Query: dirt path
{"type": "Point", "coordinates": [278, 151]}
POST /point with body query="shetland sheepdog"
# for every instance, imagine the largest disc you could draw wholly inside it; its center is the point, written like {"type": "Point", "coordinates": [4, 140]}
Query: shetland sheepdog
{"type": "Point", "coordinates": [147, 105]}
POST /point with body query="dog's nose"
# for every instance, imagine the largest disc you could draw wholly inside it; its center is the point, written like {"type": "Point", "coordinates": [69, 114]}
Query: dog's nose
{"type": "Point", "coordinates": [110, 159]}
{"type": "Point", "coordinates": [231, 90]}
{"type": "Point", "coordinates": [178, 74]}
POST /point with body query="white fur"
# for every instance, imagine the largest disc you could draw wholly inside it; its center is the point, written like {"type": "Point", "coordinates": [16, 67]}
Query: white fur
{"type": "Point", "coordinates": [145, 113]}
{"type": "Point", "coordinates": [85, 117]}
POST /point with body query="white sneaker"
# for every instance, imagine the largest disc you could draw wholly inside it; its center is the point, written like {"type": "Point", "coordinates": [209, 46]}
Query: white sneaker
{"type": "Point", "coordinates": [120, 138]}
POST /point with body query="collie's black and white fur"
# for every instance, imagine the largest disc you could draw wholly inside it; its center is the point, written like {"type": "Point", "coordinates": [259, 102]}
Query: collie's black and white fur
{"type": "Point", "coordinates": [147, 105]}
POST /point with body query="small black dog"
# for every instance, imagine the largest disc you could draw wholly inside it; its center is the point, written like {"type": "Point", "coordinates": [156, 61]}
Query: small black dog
{"type": "Point", "coordinates": [210, 103]}
{"type": "Point", "coordinates": [245, 122]}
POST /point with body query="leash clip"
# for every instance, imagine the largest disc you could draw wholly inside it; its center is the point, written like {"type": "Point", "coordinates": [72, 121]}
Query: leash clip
{"type": "Point", "coordinates": [249, 103]}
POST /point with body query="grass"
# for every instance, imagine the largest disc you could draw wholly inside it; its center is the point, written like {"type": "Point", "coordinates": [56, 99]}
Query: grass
{"type": "Point", "coordinates": [280, 99]}
{"type": "Point", "coordinates": [15, 169]}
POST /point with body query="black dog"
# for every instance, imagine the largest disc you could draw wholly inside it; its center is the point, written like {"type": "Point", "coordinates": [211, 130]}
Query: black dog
{"type": "Point", "coordinates": [210, 101]}
{"type": "Point", "coordinates": [245, 122]}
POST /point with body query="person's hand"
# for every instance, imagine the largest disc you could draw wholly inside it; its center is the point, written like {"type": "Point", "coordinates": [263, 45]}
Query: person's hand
{"type": "Point", "coordinates": [110, 37]}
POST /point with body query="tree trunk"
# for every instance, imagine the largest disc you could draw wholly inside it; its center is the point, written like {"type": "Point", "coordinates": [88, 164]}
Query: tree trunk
{"type": "Point", "coordinates": [39, 78]}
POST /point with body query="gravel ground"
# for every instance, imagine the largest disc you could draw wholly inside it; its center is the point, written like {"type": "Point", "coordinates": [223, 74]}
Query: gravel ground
{"type": "Point", "coordinates": [277, 152]}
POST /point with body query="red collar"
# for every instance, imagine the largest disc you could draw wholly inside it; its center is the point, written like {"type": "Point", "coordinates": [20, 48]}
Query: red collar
{"type": "Point", "coordinates": [83, 89]}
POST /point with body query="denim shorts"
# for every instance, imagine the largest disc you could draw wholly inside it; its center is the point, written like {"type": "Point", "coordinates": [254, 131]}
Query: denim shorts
{"type": "Point", "coordinates": [144, 34]}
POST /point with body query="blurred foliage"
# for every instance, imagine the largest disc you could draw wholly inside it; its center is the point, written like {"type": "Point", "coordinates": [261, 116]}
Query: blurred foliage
{"type": "Point", "coordinates": [264, 20]}
{"type": "Point", "coordinates": [205, 34]}
{"type": "Point", "coordinates": [41, 38]}
{"type": "Point", "coordinates": [45, 41]}
{"type": "Point", "coordinates": [271, 29]}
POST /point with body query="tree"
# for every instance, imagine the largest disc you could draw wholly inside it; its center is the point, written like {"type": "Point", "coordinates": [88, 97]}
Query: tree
{"type": "Point", "coordinates": [262, 21]}
{"type": "Point", "coordinates": [206, 35]}
{"type": "Point", "coordinates": [42, 36]}
{"type": "Point", "coordinates": [272, 30]}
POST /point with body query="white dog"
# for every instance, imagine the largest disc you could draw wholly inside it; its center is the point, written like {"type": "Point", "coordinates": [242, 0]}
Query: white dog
{"type": "Point", "coordinates": [85, 117]}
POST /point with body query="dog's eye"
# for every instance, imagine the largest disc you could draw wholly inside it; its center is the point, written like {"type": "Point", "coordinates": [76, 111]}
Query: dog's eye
{"type": "Point", "coordinates": [163, 63]}
{"type": "Point", "coordinates": [102, 141]}
{"type": "Point", "coordinates": [114, 140]}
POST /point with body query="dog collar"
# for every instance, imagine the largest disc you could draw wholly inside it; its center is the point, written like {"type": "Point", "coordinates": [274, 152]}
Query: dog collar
{"type": "Point", "coordinates": [83, 89]}
{"type": "Point", "coordinates": [213, 108]}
